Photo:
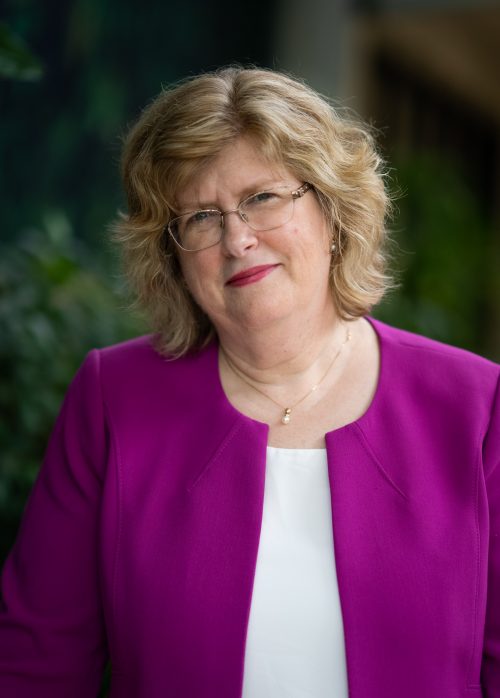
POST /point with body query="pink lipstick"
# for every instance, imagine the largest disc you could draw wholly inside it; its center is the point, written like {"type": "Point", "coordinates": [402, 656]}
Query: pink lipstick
{"type": "Point", "coordinates": [250, 276]}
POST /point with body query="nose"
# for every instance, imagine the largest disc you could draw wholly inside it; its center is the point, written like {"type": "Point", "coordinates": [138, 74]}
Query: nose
{"type": "Point", "coordinates": [237, 236]}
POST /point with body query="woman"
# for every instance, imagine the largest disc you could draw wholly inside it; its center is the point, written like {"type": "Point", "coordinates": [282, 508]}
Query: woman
{"type": "Point", "coordinates": [282, 496]}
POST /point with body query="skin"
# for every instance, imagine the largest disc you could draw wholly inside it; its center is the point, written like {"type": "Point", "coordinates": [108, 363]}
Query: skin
{"type": "Point", "coordinates": [282, 331]}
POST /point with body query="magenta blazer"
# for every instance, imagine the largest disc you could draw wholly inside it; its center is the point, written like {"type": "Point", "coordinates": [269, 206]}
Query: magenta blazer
{"type": "Point", "coordinates": [140, 538]}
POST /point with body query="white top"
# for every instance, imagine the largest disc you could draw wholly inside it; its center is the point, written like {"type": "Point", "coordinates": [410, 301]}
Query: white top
{"type": "Point", "coordinates": [295, 640]}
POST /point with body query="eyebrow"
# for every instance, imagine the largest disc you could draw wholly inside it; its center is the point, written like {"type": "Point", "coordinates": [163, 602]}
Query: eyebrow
{"type": "Point", "coordinates": [244, 194]}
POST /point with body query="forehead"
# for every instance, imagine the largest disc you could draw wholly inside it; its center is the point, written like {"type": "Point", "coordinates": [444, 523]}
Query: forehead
{"type": "Point", "coordinates": [238, 170]}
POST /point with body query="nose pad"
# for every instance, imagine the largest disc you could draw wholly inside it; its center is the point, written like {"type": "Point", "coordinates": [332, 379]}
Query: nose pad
{"type": "Point", "coordinates": [243, 217]}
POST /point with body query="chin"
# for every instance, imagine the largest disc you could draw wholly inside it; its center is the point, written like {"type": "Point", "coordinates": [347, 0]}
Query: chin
{"type": "Point", "coordinates": [262, 318]}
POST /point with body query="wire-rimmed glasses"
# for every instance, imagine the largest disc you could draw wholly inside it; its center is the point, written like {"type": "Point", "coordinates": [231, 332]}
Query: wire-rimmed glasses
{"type": "Point", "coordinates": [265, 210]}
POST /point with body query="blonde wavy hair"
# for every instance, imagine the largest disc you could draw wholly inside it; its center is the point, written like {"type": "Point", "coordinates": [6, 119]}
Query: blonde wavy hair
{"type": "Point", "coordinates": [293, 126]}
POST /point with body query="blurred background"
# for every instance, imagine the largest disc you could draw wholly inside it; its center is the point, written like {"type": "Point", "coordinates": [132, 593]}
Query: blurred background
{"type": "Point", "coordinates": [75, 73]}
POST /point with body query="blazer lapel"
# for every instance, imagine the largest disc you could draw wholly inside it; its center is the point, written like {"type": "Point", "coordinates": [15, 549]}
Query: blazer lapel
{"type": "Point", "coordinates": [223, 520]}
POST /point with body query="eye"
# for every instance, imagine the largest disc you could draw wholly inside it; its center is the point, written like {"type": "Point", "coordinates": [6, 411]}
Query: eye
{"type": "Point", "coordinates": [201, 218]}
{"type": "Point", "coordinates": [262, 198]}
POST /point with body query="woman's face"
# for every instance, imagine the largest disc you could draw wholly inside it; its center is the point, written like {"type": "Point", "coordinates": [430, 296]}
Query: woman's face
{"type": "Point", "coordinates": [295, 256]}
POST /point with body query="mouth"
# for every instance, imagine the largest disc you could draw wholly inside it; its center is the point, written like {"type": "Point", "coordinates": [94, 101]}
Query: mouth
{"type": "Point", "coordinates": [250, 276]}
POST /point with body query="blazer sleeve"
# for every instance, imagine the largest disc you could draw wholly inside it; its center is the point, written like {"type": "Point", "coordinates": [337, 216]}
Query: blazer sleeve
{"type": "Point", "coordinates": [490, 674]}
{"type": "Point", "coordinates": [52, 633]}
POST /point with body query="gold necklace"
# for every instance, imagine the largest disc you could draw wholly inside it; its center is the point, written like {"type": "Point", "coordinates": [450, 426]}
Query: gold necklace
{"type": "Point", "coordinates": [287, 411]}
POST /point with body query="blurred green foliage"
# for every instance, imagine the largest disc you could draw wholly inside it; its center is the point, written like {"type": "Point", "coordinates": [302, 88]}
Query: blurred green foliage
{"type": "Point", "coordinates": [16, 60]}
{"type": "Point", "coordinates": [442, 253]}
{"type": "Point", "coordinates": [56, 302]}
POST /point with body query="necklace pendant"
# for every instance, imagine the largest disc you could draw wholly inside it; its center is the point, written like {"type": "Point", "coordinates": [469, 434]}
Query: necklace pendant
{"type": "Point", "coordinates": [286, 415]}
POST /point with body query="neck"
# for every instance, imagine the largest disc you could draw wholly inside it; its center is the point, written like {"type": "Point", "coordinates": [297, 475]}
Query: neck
{"type": "Point", "coordinates": [284, 353]}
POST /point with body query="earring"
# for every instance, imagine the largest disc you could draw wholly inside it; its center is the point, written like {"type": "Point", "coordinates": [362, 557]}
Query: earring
{"type": "Point", "coordinates": [333, 248]}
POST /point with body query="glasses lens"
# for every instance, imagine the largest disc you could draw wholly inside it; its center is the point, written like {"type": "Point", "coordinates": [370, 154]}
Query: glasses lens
{"type": "Point", "coordinates": [268, 209]}
{"type": "Point", "coordinates": [197, 230]}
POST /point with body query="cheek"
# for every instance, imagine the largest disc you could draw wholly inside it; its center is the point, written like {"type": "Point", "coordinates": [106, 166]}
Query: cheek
{"type": "Point", "coordinates": [190, 276]}
{"type": "Point", "coordinates": [310, 242]}
{"type": "Point", "coordinates": [200, 279]}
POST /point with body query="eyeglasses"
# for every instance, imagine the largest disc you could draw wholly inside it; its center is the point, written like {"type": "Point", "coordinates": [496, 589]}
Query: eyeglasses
{"type": "Point", "coordinates": [197, 230]}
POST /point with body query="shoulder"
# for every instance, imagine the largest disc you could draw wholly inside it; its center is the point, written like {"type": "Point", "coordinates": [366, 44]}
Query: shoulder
{"type": "Point", "coordinates": [424, 375]}
{"type": "Point", "coordinates": [134, 371]}
{"type": "Point", "coordinates": [415, 352]}
{"type": "Point", "coordinates": [141, 356]}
